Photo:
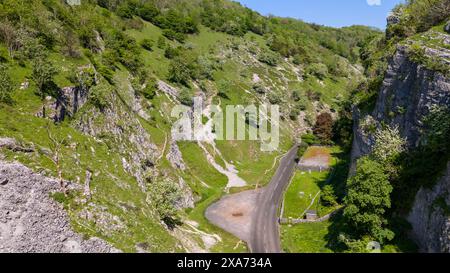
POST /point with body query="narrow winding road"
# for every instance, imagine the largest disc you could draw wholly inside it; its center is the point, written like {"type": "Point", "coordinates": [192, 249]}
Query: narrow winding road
{"type": "Point", "coordinates": [265, 232]}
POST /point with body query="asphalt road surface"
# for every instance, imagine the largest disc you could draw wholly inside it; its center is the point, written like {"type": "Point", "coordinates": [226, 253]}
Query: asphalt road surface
{"type": "Point", "coordinates": [265, 232]}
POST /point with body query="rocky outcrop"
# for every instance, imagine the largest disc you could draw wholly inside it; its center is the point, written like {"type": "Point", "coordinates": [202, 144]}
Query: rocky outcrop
{"type": "Point", "coordinates": [409, 91]}
{"type": "Point", "coordinates": [13, 145]}
{"type": "Point", "coordinates": [32, 221]}
{"type": "Point", "coordinates": [175, 157]}
{"type": "Point", "coordinates": [122, 129]}
{"type": "Point", "coordinates": [447, 27]}
{"type": "Point", "coordinates": [69, 101]}
{"type": "Point", "coordinates": [186, 199]}
{"type": "Point", "coordinates": [392, 20]}
{"type": "Point", "coordinates": [430, 216]}
{"type": "Point", "coordinates": [168, 89]}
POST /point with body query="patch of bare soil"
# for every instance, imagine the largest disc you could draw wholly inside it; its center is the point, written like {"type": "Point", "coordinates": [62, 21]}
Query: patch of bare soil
{"type": "Point", "coordinates": [316, 158]}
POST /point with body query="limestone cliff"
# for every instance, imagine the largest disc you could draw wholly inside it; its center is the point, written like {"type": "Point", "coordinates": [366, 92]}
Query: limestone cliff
{"type": "Point", "coordinates": [409, 90]}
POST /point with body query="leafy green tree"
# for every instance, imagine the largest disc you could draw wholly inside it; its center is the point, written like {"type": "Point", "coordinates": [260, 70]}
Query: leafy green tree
{"type": "Point", "coordinates": [8, 34]}
{"type": "Point", "coordinates": [6, 85]}
{"type": "Point", "coordinates": [149, 90]}
{"type": "Point", "coordinates": [42, 75]}
{"type": "Point", "coordinates": [179, 71]}
{"type": "Point", "coordinates": [310, 139]}
{"type": "Point", "coordinates": [327, 196]}
{"type": "Point", "coordinates": [302, 149]}
{"type": "Point", "coordinates": [185, 97]}
{"type": "Point", "coordinates": [163, 196]}
{"type": "Point", "coordinates": [367, 200]}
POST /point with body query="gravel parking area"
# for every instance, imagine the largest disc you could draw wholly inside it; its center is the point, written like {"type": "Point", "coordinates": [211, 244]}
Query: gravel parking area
{"type": "Point", "coordinates": [234, 213]}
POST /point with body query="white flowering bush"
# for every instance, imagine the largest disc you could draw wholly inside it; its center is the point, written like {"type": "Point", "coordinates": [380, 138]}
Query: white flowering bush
{"type": "Point", "coordinates": [388, 144]}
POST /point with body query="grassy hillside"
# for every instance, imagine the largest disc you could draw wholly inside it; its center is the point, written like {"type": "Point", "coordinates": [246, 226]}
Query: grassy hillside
{"type": "Point", "coordinates": [118, 51]}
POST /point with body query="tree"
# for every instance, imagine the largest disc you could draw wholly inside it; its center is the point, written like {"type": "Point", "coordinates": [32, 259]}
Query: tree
{"type": "Point", "coordinates": [163, 196]}
{"type": "Point", "coordinates": [42, 75]}
{"type": "Point", "coordinates": [185, 97]}
{"type": "Point", "coordinates": [327, 197]}
{"type": "Point", "coordinates": [70, 47]}
{"type": "Point", "coordinates": [8, 35]}
{"type": "Point", "coordinates": [324, 128]}
{"type": "Point", "coordinates": [56, 145]}
{"type": "Point", "coordinates": [302, 147]}
{"type": "Point", "coordinates": [6, 85]}
{"type": "Point", "coordinates": [179, 71]}
{"type": "Point", "coordinates": [367, 200]}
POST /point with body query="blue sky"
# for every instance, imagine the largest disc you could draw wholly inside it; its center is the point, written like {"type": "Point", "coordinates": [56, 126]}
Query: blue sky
{"type": "Point", "coordinates": [336, 13]}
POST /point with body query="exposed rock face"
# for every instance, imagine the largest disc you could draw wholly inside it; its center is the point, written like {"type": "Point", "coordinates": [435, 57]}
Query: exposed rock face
{"type": "Point", "coordinates": [187, 198]}
{"type": "Point", "coordinates": [69, 101]}
{"type": "Point", "coordinates": [429, 217]}
{"type": "Point", "coordinates": [392, 19]}
{"type": "Point", "coordinates": [408, 93]}
{"type": "Point", "coordinates": [126, 133]}
{"type": "Point", "coordinates": [166, 88]}
{"type": "Point", "coordinates": [31, 221]}
{"type": "Point", "coordinates": [175, 157]}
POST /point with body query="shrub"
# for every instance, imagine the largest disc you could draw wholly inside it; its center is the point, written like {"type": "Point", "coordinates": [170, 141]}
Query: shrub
{"type": "Point", "coordinates": [318, 70]}
{"type": "Point", "coordinates": [173, 35]}
{"type": "Point", "coordinates": [6, 85]}
{"type": "Point", "coordinates": [274, 98]}
{"type": "Point", "coordinates": [223, 88]}
{"type": "Point", "coordinates": [204, 68]}
{"type": "Point", "coordinates": [310, 139]}
{"type": "Point", "coordinates": [185, 97]}
{"type": "Point", "coordinates": [172, 52]}
{"type": "Point", "coordinates": [149, 90]}
{"type": "Point", "coordinates": [99, 96]}
{"type": "Point", "coordinates": [388, 144]}
{"type": "Point", "coordinates": [147, 44]}
{"type": "Point", "coordinates": [293, 115]}
{"type": "Point", "coordinates": [161, 42]}
{"type": "Point", "coordinates": [268, 57]}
